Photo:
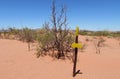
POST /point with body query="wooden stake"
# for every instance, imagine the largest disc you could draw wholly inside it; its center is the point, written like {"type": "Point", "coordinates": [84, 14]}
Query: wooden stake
{"type": "Point", "coordinates": [75, 57]}
{"type": "Point", "coordinates": [76, 46]}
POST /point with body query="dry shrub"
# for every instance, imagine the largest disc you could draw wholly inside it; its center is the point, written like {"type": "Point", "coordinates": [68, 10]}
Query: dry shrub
{"type": "Point", "coordinates": [56, 39]}
{"type": "Point", "coordinates": [27, 35]}
{"type": "Point", "coordinates": [47, 45]}
{"type": "Point", "coordinates": [98, 42]}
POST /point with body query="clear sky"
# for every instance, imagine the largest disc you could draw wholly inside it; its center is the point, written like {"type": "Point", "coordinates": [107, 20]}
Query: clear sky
{"type": "Point", "coordinates": [88, 14]}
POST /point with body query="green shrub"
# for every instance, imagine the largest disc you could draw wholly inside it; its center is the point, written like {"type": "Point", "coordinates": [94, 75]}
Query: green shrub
{"type": "Point", "coordinates": [48, 45]}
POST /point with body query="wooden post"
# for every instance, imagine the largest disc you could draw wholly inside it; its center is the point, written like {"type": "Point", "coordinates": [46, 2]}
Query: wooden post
{"type": "Point", "coordinates": [76, 46]}
{"type": "Point", "coordinates": [75, 57]}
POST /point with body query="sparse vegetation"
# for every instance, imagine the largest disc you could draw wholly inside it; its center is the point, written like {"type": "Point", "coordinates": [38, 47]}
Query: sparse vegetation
{"type": "Point", "coordinates": [100, 33]}
{"type": "Point", "coordinates": [55, 41]}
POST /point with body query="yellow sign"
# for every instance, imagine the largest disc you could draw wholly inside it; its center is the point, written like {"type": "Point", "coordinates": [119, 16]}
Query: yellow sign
{"type": "Point", "coordinates": [77, 31]}
{"type": "Point", "coordinates": [76, 45]}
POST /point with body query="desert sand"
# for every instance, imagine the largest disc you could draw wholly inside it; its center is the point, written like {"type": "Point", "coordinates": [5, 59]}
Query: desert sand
{"type": "Point", "coordinates": [16, 62]}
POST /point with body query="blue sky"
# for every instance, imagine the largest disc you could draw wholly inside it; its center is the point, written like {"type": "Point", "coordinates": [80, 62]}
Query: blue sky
{"type": "Point", "coordinates": [87, 14]}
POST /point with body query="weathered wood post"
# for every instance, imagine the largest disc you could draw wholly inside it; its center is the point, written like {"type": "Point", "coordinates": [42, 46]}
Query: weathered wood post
{"type": "Point", "coordinates": [76, 46]}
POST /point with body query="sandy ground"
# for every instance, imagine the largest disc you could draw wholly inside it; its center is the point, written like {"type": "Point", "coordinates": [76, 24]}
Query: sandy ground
{"type": "Point", "coordinates": [16, 62]}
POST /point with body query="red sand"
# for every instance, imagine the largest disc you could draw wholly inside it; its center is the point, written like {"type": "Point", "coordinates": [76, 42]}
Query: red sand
{"type": "Point", "coordinates": [16, 62]}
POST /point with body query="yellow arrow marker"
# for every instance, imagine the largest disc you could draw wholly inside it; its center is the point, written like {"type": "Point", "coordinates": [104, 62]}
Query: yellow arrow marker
{"type": "Point", "coordinates": [76, 45]}
{"type": "Point", "coordinates": [77, 31]}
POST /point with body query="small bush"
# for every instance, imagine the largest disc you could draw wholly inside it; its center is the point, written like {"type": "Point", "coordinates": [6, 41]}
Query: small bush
{"type": "Point", "coordinates": [27, 35]}
{"type": "Point", "coordinates": [99, 42]}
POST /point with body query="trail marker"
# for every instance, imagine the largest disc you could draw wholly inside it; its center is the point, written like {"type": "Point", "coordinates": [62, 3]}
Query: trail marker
{"type": "Point", "coordinates": [76, 46]}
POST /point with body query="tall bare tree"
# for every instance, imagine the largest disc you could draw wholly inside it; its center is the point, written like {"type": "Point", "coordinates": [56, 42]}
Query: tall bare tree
{"type": "Point", "coordinates": [57, 37]}
{"type": "Point", "coordinates": [60, 30]}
